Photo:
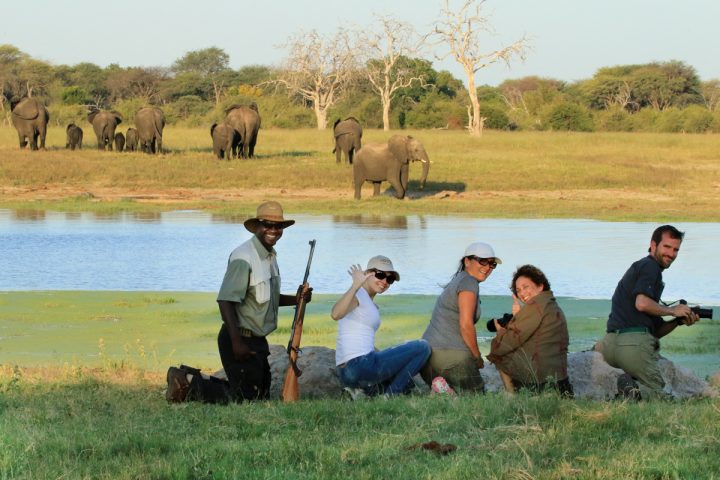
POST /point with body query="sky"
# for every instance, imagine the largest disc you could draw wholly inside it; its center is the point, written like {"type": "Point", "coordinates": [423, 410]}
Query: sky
{"type": "Point", "coordinates": [569, 39]}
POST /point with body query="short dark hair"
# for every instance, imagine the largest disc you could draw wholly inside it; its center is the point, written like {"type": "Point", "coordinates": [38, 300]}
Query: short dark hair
{"type": "Point", "coordinates": [670, 230]}
{"type": "Point", "coordinates": [534, 274]}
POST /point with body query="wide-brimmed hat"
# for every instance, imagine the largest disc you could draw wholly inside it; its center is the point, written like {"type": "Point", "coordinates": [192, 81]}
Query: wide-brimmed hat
{"type": "Point", "coordinates": [481, 250]}
{"type": "Point", "coordinates": [382, 263]}
{"type": "Point", "coordinates": [269, 211]}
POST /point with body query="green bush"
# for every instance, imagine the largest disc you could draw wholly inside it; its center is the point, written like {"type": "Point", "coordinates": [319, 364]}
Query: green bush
{"type": "Point", "coordinates": [435, 111]}
{"type": "Point", "coordinates": [63, 115]}
{"type": "Point", "coordinates": [614, 120]}
{"type": "Point", "coordinates": [128, 108]}
{"type": "Point", "coordinates": [645, 120]}
{"type": "Point", "coordinates": [74, 96]}
{"type": "Point", "coordinates": [189, 110]}
{"type": "Point", "coordinates": [569, 116]}
{"type": "Point", "coordinates": [697, 119]}
{"type": "Point", "coordinates": [670, 120]}
{"type": "Point", "coordinates": [495, 116]}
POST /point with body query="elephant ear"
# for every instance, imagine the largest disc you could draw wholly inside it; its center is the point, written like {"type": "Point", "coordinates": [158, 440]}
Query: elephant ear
{"type": "Point", "coordinates": [118, 116]}
{"type": "Point", "coordinates": [212, 129]}
{"type": "Point", "coordinates": [27, 109]}
{"type": "Point", "coordinates": [93, 113]}
{"type": "Point", "coordinates": [398, 146]}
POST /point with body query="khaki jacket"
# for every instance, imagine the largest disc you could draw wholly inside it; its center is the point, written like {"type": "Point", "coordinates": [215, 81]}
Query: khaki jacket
{"type": "Point", "coordinates": [535, 344]}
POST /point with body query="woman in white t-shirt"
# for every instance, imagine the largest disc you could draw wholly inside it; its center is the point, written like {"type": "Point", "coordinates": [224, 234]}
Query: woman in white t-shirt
{"type": "Point", "coordinates": [360, 367]}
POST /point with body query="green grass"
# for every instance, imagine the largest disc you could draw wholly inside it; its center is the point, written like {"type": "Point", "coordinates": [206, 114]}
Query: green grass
{"type": "Point", "coordinates": [151, 331]}
{"type": "Point", "coordinates": [85, 426]}
{"type": "Point", "coordinates": [609, 176]}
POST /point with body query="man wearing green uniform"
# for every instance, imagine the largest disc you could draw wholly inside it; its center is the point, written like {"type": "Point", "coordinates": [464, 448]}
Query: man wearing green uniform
{"type": "Point", "coordinates": [635, 322]}
{"type": "Point", "coordinates": [249, 298]}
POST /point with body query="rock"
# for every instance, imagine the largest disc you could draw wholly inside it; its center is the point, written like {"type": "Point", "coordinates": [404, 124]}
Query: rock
{"type": "Point", "coordinates": [590, 375]}
{"type": "Point", "coordinates": [714, 380]}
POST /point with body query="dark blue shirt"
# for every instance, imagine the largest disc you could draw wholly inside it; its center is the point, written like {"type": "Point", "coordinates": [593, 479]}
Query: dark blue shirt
{"type": "Point", "coordinates": [643, 277]}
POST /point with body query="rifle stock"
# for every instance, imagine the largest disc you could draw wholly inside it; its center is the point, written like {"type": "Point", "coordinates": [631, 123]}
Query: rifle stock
{"type": "Point", "coordinates": [291, 391]}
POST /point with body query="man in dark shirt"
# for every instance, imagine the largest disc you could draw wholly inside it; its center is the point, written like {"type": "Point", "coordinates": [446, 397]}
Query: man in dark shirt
{"type": "Point", "coordinates": [635, 322]}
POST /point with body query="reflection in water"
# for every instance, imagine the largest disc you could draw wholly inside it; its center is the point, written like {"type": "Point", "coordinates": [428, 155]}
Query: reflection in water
{"type": "Point", "coordinates": [382, 221]}
{"type": "Point", "coordinates": [73, 216]}
{"type": "Point", "coordinates": [29, 215]}
{"type": "Point", "coordinates": [107, 216]}
{"type": "Point", "coordinates": [228, 218]}
{"type": "Point", "coordinates": [147, 217]}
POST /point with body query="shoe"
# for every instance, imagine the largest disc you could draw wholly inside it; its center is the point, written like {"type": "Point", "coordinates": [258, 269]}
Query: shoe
{"type": "Point", "coordinates": [356, 394]}
{"type": "Point", "coordinates": [628, 388]}
{"type": "Point", "coordinates": [177, 385]}
{"type": "Point", "coordinates": [440, 385]}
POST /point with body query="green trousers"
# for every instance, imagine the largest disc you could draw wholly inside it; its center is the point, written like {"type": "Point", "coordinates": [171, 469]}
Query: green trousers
{"type": "Point", "coordinates": [457, 367]}
{"type": "Point", "coordinates": [637, 354]}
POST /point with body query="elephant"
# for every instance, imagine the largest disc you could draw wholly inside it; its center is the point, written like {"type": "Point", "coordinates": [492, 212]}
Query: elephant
{"type": "Point", "coordinates": [131, 139]}
{"type": "Point", "coordinates": [74, 137]}
{"type": "Point", "coordinates": [245, 119]}
{"type": "Point", "coordinates": [225, 140]}
{"type": "Point", "coordinates": [30, 119]}
{"type": "Point", "coordinates": [104, 124]}
{"type": "Point", "coordinates": [119, 142]}
{"type": "Point", "coordinates": [348, 138]}
{"type": "Point", "coordinates": [150, 122]}
{"type": "Point", "coordinates": [378, 162]}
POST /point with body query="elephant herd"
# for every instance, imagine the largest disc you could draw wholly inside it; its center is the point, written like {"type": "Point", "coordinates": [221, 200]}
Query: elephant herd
{"type": "Point", "coordinates": [379, 162]}
{"type": "Point", "coordinates": [145, 136]}
{"type": "Point", "coordinates": [236, 136]}
{"type": "Point", "coordinates": [30, 118]}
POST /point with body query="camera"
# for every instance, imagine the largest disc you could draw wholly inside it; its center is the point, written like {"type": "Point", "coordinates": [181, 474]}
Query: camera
{"type": "Point", "coordinates": [700, 311]}
{"type": "Point", "coordinates": [501, 321]}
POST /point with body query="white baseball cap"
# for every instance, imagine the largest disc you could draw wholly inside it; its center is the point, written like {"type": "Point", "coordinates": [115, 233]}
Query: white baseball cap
{"type": "Point", "coordinates": [382, 263]}
{"type": "Point", "coordinates": [481, 250]}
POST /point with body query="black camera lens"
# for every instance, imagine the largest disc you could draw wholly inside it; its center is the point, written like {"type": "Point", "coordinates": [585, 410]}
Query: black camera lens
{"type": "Point", "coordinates": [502, 321]}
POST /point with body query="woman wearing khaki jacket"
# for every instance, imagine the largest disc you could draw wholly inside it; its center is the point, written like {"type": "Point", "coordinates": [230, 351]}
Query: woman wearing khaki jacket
{"type": "Point", "coordinates": [530, 351]}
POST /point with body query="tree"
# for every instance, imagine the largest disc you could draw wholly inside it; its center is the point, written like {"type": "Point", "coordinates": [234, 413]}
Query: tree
{"type": "Point", "coordinates": [710, 92]}
{"type": "Point", "coordinates": [140, 82]}
{"type": "Point", "coordinates": [318, 69]}
{"type": "Point", "coordinates": [460, 31]}
{"type": "Point", "coordinates": [211, 63]}
{"type": "Point", "coordinates": [383, 53]}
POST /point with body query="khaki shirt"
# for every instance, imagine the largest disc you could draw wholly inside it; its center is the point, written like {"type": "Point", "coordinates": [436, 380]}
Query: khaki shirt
{"type": "Point", "coordinates": [259, 318]}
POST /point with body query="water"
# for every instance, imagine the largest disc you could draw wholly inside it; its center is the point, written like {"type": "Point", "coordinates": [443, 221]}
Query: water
{"type": "Point", "coordinates": [188, 250]}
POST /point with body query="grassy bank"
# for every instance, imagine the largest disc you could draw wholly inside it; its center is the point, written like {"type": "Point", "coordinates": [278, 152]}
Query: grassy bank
{"type": "Point", "coordinates": [610, 176]}
{"type": "Point", "coordinates": [152, 330]}
{"type": "Point", "coordinates": [103, 426]}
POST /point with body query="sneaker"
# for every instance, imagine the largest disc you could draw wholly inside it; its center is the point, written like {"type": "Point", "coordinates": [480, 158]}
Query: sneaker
{"type": "Point", "coordinates": [440, 385]}
{"type": "Point", "coordinates": [628, 388]}
{"type": "Point", "coordinates": [177, 385]}
{"type": "Point", "coordinates": [356, 394]}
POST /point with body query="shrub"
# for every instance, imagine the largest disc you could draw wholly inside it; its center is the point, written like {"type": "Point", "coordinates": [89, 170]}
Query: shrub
{"type": "Point", "coordinates": [670, 120]}
{"type": "Point", "coordinates": [614, 120]}
{"type": "Point", "coordinates": [74, 96]}
{"type": "Point", "coordinates": [569, 116]}
{"type": "Point", "coordinates": [495, 116]}
{"type": "Point", "coordinates": [645, 120]}
{"type": "Point", "coordinates": [697, 119]}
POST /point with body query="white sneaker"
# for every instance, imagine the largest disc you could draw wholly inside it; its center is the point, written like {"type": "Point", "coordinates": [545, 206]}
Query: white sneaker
{"type": "Point", "coordinates": [356, 393]}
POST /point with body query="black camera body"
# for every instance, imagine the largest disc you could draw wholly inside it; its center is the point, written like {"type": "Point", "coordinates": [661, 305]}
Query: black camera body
{"type": "Point", "coordinates": [501, 321]}
{"type": "Point", "coordinates": [700, 311]}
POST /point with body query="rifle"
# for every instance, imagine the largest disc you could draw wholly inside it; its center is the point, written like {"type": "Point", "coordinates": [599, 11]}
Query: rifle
{"type": "Point", "coordinates": [290, 391]}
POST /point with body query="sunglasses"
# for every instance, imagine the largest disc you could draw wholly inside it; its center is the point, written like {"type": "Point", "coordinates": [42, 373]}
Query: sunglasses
{"type": "Point", "coordinates": [485, 262]}
{"type": "Point", "coordinates": [270, 225]}
{"type": "Point", "coordinates": [389, 277]}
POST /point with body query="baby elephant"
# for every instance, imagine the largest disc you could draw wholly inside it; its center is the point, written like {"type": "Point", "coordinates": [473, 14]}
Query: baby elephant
{"type": "Point", "coordinates": [131, 139]}
{"type": "Point", "coordinates": [74, 137]}
{"type": "Point", "coordinates": [225, 140]}
{"type": "Point", "coordinates": [119, 142]}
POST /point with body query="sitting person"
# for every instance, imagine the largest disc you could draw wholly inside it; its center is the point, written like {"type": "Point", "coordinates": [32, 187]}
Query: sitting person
{"type": "Point", "coordinates": [361, 368]}
{"type": "Point", "coordinates": [530, 351]}
{"type": "Point", "coordinates": [451, 332]}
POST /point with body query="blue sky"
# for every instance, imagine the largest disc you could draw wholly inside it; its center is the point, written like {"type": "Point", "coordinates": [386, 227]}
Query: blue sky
{"type": "Point", "coordinates": [570, 39]}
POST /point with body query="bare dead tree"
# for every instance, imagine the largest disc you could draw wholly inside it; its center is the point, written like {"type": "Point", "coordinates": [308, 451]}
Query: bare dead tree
{"type": "Point", "coordinates": [460, 31]}
{"type": "Point", "coordinates": [710, 92]}
{"type": "Point", "coordinates": [382, 52]}
{"type": "Point", "coordinates": [318, 69]}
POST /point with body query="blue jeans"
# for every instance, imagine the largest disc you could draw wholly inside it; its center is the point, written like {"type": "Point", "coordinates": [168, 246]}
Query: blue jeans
{"type": "Point", "coordinates": [393, 368]}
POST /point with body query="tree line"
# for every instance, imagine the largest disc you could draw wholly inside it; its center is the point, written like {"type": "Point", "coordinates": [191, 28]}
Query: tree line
{"type": "Point", "coordinates": [380, 75]}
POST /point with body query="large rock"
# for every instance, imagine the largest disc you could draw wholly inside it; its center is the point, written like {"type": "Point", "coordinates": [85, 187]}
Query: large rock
{"type": "Point", "coordinates": [590, 376]}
